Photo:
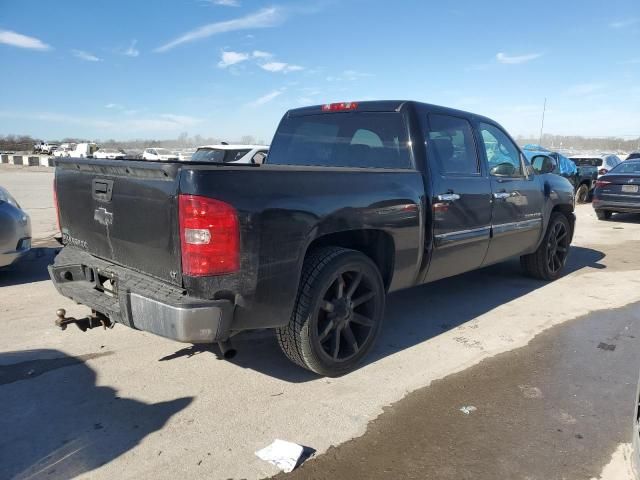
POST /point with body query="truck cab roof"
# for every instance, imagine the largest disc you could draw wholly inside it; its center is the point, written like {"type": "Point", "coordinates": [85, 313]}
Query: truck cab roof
{"type": "Point", "coordinates": [381, 106]}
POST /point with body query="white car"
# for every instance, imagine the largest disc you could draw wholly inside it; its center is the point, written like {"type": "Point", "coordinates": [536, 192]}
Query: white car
{"type": "Point", "coordinates": [185, 155]}
{"type": "Point", "coordinates": [604, 162]}
{"type": "Point", "coordinates": [109, 153]}
{"type": "Point", "coordinates": [231, 154]}
{"type": "Point", "coordinates": [158, 154]}
{"type": "Point", "coordinates": [64, 150]}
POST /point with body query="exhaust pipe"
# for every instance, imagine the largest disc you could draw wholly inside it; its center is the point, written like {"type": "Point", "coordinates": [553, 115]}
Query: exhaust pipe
{"type": "Point", "coordinates": [227, 350]}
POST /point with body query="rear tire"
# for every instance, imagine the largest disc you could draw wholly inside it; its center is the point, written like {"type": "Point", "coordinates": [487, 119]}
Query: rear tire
{"type": "Point", "coordinates": [603, 214]}
{"type": "Point", "coordinates": [547, 262]}
{"type": "Point", "coordinates": [338, 312]}
{"type": "Point", "coordinates": [582, 194]}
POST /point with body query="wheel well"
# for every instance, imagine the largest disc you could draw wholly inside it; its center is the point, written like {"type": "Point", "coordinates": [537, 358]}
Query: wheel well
{"type": "Point", "coordinates": [375, 244]}
{"type": "Point", "coordinates": [567, 211]}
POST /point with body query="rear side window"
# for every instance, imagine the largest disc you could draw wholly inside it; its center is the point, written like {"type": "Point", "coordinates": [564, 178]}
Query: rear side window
{"type": "Point", "coordinates": [359, 139]}
{"type": "Point", "coordinates": [627, 167]}
{"type": "Point", "coordinates": [452, 144]}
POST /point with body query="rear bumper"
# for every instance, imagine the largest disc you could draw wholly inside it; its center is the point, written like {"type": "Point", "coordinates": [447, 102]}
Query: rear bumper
{"type": "Point", "coordinates": [615, 206]}
{"type": "Point", "coordinates": [138, 300]}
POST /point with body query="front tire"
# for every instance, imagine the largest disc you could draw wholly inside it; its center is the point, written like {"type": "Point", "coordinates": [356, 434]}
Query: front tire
{"type": "Point", "coordinates": [338, 312]}
{"type": "Point", "coordinates": [547, 262]}
{"type": "Point", "coordinates": [603, 214]}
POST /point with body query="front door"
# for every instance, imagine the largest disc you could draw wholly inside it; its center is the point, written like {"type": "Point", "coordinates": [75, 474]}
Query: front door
{"type": "Point", "coordinates": [462, 197]}
{"type": "Point", "coordinates": [517, 198]}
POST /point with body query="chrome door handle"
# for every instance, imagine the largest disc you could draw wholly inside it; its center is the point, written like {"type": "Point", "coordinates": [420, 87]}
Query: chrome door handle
{"type": "Point", "coordinates": [502, 195]}
{"type": "Point", "coordinates": [448, 197]}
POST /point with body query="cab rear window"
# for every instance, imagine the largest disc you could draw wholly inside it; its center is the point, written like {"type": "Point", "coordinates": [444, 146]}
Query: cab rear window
{"type": "Point", "coordinates": [358, 139]}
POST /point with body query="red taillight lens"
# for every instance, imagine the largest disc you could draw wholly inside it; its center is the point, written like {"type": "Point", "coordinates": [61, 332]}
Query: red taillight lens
{"type": "Point", "coordinates": [602, 171]}
{"type": "Point", "coordinates": [602, 183]}
{"type": "Point", "coordinates": [209, 236]}
{"type": "Point", "coordinates": [339, 107]}
{"type": "Point", "coordinates": [55, 204]}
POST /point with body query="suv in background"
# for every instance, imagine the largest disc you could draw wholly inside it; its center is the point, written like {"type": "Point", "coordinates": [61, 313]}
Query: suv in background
{"type": "Point", "coordinates": [604, 162]}
{"type": "Point", "coordinates": [158, 154]}
{"type": "Point", "coordinates": [253, 154]}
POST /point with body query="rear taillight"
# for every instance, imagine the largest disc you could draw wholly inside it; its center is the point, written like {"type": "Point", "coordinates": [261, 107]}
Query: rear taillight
{"type": "Point", "coordinates": [209, 236]}
{"type": "Point", "coordinates": [602, 183]}
{"type": "Point", "coordinates": [603, 171]}
{"type": "Point", "coordinates": [339, 107]}
{"type": "Point", "coordinates": [55, 204]}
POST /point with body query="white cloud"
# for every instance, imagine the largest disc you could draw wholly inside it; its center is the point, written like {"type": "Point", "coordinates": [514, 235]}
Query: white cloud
{"type": "Point", "coordinates": [114, 106]}
{"type": "Point", "coordinates": [158, 124]}
{"type": "Point", "coordinates": [280, 67]}
{"type": "Point", "coordinates": [584, 89]}
{"type": "Point", "coordinates": [261, 54]}
{"type": "Point", "coordinates": [22, 41]}
{"type": "Point", "coordinates": [226, 3]}
{"type": "Point", "coordinates": [86, 56]}
{"type": "Point", "coordinates": [350, 75]}
{"type": "Point", "coordinates": [516, 59]}
{"type": "Point", "coordinates": [266, 98]}
{"type": "Point", "coordinates": [232, 58]}
{"type": "Point", "coordinates": [267, 17]}
{"type": "Point", "coordinates": [624, 23]}
{"type": "Point", "coordinates": [132, 51]}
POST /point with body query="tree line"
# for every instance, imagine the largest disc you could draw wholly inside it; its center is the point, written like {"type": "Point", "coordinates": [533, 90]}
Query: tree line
{"type": "Point", "coordinates": [19, 143]}
{"type": "Point", "coordinates": [553, 142]}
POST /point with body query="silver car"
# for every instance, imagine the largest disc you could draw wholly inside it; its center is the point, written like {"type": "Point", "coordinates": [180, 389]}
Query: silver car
{"type": "Point", "coordinates": [15, 230]}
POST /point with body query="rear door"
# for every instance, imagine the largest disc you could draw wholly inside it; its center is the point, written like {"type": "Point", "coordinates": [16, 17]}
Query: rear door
{"type": "Point", "coordinates": [517, 198]}
{"type": "Point", "coordinates": [122, 211]}
{"type": "Point", "coordinates": [462, 197]}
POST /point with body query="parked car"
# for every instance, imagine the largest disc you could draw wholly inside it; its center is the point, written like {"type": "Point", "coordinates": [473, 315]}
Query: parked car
{"type": "Point", "coordinates": [84, 150]}
{"type": "Point", "coordinates": [345, 209]}
{"type": "Point", "coordinates": [185, 155]}
{"type": "Point", "coordinates": [45, 148]}
{"type": "Point", "coordinates": [633, 155]}
{"type": "Point", "coordinates": [252, 154]}
{"type": "Point", "coordinates": [109, 153]}
{"type": "Point", "coordinates": [158, 154]}
{"type": "Point", "coordinates": [15, 230]}
{"type": "Point", "coordinates": [64, 150]}
{"type": "Point", "coordinates": [619, 190]}
{"type": "Point", "coordinates": [604, 162]}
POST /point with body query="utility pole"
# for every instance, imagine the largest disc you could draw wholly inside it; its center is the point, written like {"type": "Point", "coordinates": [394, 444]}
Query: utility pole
{"type": "Point", "coordinates": [544, 109]}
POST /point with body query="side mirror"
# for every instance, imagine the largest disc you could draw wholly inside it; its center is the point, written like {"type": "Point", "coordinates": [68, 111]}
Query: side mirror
{"type": "Point", "coordinates": [543, 164]}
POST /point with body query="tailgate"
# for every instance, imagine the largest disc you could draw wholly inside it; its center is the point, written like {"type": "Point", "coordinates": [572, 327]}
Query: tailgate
{"type": "Point", "coordinates": [124, 211]}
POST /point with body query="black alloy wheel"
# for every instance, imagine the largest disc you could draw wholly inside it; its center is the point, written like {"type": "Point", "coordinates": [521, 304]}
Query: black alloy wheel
{"type": "Point", "coordinates": [338, 312]}
{"type": "Point", "coordinates": [557, 247]}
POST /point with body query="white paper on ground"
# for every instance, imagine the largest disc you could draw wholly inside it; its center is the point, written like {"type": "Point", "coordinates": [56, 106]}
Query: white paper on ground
{"type": "Point", "coordinates": [282, 454]}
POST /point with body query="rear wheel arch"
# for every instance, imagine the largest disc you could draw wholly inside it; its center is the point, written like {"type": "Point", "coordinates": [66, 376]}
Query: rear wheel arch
{"type": "Point", "coordinates": [378, 245]}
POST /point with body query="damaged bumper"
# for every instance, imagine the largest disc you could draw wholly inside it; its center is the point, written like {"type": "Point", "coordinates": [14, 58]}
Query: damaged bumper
{"type": "Point", "coordinates": [139, 301]}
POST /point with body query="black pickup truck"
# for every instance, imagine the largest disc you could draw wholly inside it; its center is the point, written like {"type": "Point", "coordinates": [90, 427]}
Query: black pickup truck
{"type": "Point", "coordinates": [354, 200]}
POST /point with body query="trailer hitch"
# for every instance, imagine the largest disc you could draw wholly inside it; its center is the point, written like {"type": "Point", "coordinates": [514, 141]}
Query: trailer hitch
{"type": "Point", "coordinates": [96, 319]}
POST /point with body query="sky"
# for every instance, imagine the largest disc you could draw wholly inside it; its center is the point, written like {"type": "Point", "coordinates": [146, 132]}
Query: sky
{"type": "Point", "coordinates": [128, 69]}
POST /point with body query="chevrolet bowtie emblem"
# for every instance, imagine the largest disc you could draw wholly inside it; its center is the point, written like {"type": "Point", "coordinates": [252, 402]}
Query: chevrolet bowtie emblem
{"type": "Point", "coordinates": [102, 216]}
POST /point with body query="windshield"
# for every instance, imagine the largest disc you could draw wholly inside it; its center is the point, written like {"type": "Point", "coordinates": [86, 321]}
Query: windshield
{"type": "Point", "coordinates": [360, 139]}
{"type": "Point", "coordinates": [627, 167]}
{"type": "Point", "coordinates": [163, 151]}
